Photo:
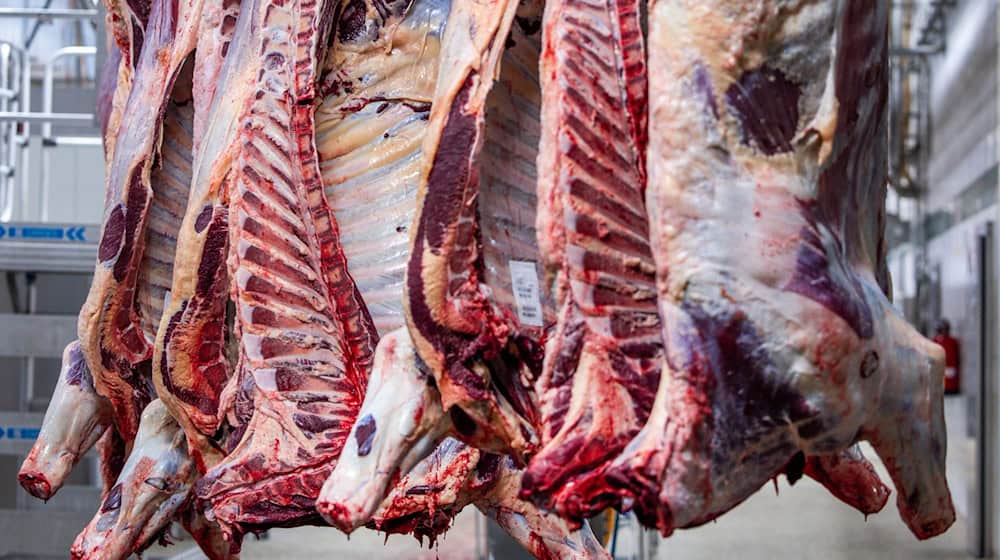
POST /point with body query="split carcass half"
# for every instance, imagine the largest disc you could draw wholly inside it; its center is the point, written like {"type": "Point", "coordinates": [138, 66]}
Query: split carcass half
{"type": "Point", "coordinates": [148, 502]}
{"type": "Point", "coordinates": [767, 177]}
{"type": "Point", "coordinates": [110, 325]}
{"type": "Point", "coordinates": [602, 363]}
{"type": "Point", "coordinates": [370, 96]}
{"type": "Point", "coordinates": [460, 315]}
{"type": "Point", "coordinates": [305, 340]}
{"type": "Point", "coordinates": [64, 430]}
{"type": "Point", "coordinates": [369, 130]}
{"type": "Point", "coordinates": [77, 414]}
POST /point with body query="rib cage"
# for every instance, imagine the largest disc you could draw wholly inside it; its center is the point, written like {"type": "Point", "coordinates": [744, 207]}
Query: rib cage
{"type": "Point", "coordinates": [305, 341]}
{"type": "Point", "coordinates": [369, 131]}
{"type": "Point", "coordinates": [377, 243]}
{"type": "Point", "coordinates": [602, 365]}
{"type": "Point", "coordinates": [170, 182]}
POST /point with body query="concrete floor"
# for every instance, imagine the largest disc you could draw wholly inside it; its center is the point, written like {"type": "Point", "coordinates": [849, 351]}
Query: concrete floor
{"type": "Point", "coordinates": [800, 522]}
{"type": "Point", "coordinates": [314, 542]}
{"type": "Point", "coordinates": [806, 522]}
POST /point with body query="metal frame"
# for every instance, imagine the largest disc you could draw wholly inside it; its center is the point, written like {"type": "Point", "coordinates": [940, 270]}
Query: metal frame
{"type": "Point", "coordinates": [30, 117]}
{"type": "Point", "coordinates": [31, 532]}
{"type": "Point", "coordinates": [43, 336]}
{"type": "Point", "coordinates": [984, 517]}
{"type": "Point", "coordinates": [15, 109]}
{"type": "Point", "coordinates": [16, 96]}
{"type": "Point", "coordinates": [48, 13]}
{"type": "Point", "coordinates": [48, 141]}
{"type": "Point", "coordinates": [31, 529]}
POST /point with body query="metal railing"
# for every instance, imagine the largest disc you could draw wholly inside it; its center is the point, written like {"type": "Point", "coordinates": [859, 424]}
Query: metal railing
{"type": "Point", "coordinates": [48, 140]}
{"type": "Point", "coordinates": [49, 13]}
{"type": "Point", "coordinates": [15, 96]}
{"type": "Point", "coordinates": [16, 118]}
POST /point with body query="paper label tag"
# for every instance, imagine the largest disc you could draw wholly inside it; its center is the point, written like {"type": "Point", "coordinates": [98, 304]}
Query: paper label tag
{"type": "Point", "coordinates": [524, 281]}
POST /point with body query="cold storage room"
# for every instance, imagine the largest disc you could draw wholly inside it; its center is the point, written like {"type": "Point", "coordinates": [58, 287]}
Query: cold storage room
{"type": "Point", "coordinates": [498, 279]}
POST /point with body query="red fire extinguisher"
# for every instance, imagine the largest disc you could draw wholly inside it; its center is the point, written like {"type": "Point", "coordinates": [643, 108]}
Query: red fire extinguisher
{"type": "Point", "coordinates": [952, 373]}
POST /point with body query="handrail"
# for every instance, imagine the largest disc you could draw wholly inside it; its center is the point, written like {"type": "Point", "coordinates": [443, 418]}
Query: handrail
{"type": "Point", "coordinates": [48, 13]}
{"type": "Point", "coordinates": [21, 116]}
{"type": "Point", "coordinates": [47, 139]}
{"type": "Point", "coordinates": [47, 86]}
{"type": "Point", "coordinates": [13, 97]}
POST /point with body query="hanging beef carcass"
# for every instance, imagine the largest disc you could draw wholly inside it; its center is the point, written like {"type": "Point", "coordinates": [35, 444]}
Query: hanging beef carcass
{"type": "Point", "coordinates": [476, 350]}
{"type": "Point", "coordinates": [305, 339]}
{"type": "Point", "coordinates": [77, 414]}
{"type": "Point", "coordinates": [766, 204]}
{"type": "Point", "coordinates": [602, 363]}
{"type": "Point", "coordinates": [417, 419]}
{"type": "Point", "coordinates": [65, 430]}
{"type": "Point", "coordinates": [111, 334]}
{"type": "Point", "coordinates": [378, 83]}
{"type": "Point", "coordinates": [78, 417]}
{"type": "Point", "coordinates": [389, 117]}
